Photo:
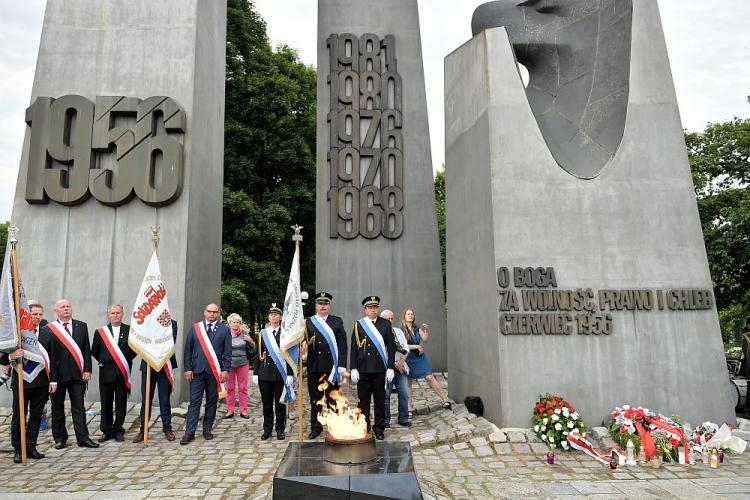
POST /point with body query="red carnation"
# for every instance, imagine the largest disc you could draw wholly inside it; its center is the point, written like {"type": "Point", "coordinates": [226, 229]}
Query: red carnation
{"type": "Point", "coordinates": [550, 412]}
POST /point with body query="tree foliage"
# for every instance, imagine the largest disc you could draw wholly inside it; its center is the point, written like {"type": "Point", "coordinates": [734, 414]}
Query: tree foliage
{"type": "Point", "coordinates": [269, 166]}
{"type": "Point", "coordinates": [440, 209]}
{"type": "Point", "coordinates": [720, 164]}
{"type": "Point", "coordinates": [4, 234]}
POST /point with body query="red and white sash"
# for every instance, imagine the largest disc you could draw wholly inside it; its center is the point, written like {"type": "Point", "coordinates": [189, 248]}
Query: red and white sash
{"type": "Point", "coordinates": [208, 351]}
{"type": "Point", "coordinates": [69, 343]}
{"type": "Point", "coordinates": [117, 355]}
{"type": "Point", "coordinates": [169, 372]}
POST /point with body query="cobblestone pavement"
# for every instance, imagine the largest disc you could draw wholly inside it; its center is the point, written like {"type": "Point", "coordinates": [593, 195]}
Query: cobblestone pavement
{"type": "Point", "coordinates": [456, 454]}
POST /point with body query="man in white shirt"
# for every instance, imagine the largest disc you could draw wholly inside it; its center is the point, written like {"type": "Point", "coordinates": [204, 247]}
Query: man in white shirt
{"type": "Point", "coordinates": [401, 379]}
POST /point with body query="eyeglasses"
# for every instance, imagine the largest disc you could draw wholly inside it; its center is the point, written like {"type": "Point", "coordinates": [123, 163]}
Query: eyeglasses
{"type": "Point", "coordinates": [210, 311]}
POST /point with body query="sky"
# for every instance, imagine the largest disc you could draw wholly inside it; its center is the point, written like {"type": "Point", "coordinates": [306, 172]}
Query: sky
{"type": "Point", "coordinates": [708, 44]}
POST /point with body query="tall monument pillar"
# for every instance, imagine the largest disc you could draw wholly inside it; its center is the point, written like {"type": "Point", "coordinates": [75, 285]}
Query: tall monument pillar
{"type": "Point", "coordinates": [376, 228]}
{"type": "Point", "coordinates": [574, 246]}
{"type": "Point", "coordinates": [125, 130]}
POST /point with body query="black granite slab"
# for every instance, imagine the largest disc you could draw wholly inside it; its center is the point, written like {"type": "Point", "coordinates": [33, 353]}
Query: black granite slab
{"type": "Point", "coordinates": [304, 473]}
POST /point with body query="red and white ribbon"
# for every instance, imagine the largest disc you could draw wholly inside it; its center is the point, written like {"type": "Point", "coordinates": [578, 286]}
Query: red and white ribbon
{"type": "Point", "coordinates": [208, 351]}
{"type": "Point", "coordinates": [69, 343]}
{"type": "Point", "coordinates": [117, 355]}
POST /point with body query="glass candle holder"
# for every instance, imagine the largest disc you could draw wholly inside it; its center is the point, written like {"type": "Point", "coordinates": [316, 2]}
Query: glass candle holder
{"type": "Point", "coordinates": [550, 458]}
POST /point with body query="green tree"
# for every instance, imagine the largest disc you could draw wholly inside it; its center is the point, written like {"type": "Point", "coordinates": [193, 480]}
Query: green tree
{"type": "Point", "coordinates": [440, 209]}
{"type": "Point", "coordinates": [269, 166]}
{"type": "Point", "coordinates": [4, 235]}
{"type": "Point", "coordinates": [720, 164]}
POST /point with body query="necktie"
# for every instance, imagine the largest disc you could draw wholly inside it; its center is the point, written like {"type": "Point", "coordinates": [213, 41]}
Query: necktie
{"type": "Point", "coordinates": [65, 325]}
{"type": "Point", "coordinates": [210, 329]}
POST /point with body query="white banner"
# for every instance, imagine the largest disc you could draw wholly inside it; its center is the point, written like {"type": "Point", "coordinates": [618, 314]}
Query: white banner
{"type": "Point", "coordinates": [34, 359]}
{"type": "Point", "coordinates": [151, 324]}
{"type": "Point", "coordinates": [293, 321]}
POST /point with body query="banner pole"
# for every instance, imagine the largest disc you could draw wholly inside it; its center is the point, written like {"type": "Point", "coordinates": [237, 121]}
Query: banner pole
{"type": "Point", "coordinates": [147, 402]}
{"type": "Point", "coordinates": [297, 238]}
{"type": "Point", "coordinates": [19, 363]}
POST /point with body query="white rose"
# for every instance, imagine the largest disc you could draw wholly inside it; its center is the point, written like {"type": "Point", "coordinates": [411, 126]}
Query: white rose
{"type": "Point", "coordinates": [544, 420]}
{"type": "Point", "coordinates": [564, 444]}
{"type": "Point", "coordinates": [544, 428]}
{"type": "Point", "coordinates": [557, 410]}
{"type": "Point", "coordinates": [536, 428]}
{"type": "Point", "coordinates": [565, 412]}
{"type": "Point", "coordinates": [544, 437]}
{"type": "Point", "coordinates": [555, 418]}
{"type": "Point", "coordinates": [552, 445]}
{"type": "Point", "coordinates": [558, 427]}
{"type": "Point", "coordinates": [570, 425]}
{"type": "Point", "coordinates": [574, 416]}
{"type": "Point", "coordinates": [565, 433]}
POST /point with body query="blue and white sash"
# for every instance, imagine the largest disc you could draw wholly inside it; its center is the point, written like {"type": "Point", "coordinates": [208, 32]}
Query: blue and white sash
{"type": "Point", "coordinates": [273, 349]}
{"type": "Point", "coordinates": [375, 337]}
{"type": "Point", "coordinates": [31, 364]}
{"type": "Point", "coordinates": [325, 330]}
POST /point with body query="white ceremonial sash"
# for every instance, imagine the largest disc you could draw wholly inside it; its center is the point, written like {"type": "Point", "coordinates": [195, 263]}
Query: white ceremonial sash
{"type": "Point", "coordinates": [68, 342]}
{"type": "Point", "coordinates": [31, 367]}
{"type": "Point", "coordinates": [117, 355]}
{"type": "Point", "coordinates": [375, 338]}
{"type": "Point", "coordinates": [213, 360]}
{"type": "Point", "coordinates": [169, 372]}
{"type": "Point", "coordinates": [274, 350]}
{"type": "Point", "coordinates": [325, 330]}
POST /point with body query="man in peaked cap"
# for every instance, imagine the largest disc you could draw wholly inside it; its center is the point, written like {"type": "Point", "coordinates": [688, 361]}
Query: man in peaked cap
{"type": "Point", "coordinates": [326, 356]}
{"type": "Point", "coordinates": [372, 352]}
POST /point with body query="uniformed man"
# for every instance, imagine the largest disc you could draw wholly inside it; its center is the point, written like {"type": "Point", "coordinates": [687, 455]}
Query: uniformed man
{"type": "Point", "coordinates": [273, 376]}
{"type": "Point", "coordinates": [372, 352]}
{"type": "Point", "coordinates": [326, 356]}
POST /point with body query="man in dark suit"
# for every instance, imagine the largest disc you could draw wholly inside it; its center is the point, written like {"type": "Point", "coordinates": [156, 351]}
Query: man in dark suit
{"type": "Point", "coordinates": [373, 350]}
{"type": "Point", "coordinates": [269, 378]}
{"type": "Point", "coordinates": [72, 354]}
{"type": "Point", "coordinates": [35, 393]}
{"type": "Point", "coordinates": [114, 385]}
{"type": "Point", "coordinates": [164, 380]}
{"type": "Point", "coordinates": [201, 369]}
{"type": "Point", "coordinates": [320, 331]}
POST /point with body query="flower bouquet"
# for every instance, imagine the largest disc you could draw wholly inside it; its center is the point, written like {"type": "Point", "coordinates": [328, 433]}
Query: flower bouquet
{"type": "Point", "coordinates": [553, 418]}
{"type": "Point", "coordinates": [648, 430]}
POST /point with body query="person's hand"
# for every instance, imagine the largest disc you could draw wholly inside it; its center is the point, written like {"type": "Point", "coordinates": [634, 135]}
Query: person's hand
{"type": "Point", "coordinates": [289, 380]}
{"type": "Point", "coordinates": [355, 376]}
{"type": "Point", "coordinates": [86, 376]}
{"type": "Point", "coordinates": [425, 327]}
{"type": "Point", "coordinates": [188, 376]}
{"type": "Point", "coordinates": [249, 340]}
{"type": "Point", "coordinates": [52, 387]}
{"type": "Point", "coordinates": [342, 371]}
{"type": "Point", "coordinates": [420, 350]}
{"type": "Point", "coordinates": [224, 376]}
{"type": "Point", "coordinates": [389, 374]}
{"type": "Point", "coordinates": [6, 370]}
{"type": "Point", "coordinates": [255, 379]}
{"type": "Point", "coordinates": [400, 364]}
{"type": "Point", "coordinates": [18, 353]}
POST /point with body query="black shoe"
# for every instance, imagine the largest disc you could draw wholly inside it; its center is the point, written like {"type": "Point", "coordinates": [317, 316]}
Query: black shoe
{"type": "Point", "coordinates": [87, 443]}
{"type": "Point", "coordinates": [17, 459]}
{"type": "Point", "coordinates": [208, 435]}
{"type": "Point", "coordinates": [313, 434]}
{"type": "Point", "coordinates": [186, 438]}
{"type": "Point", "coordinates": [105, 437]}
{"type": "Point", "coordinates": [280, 436]}
{"type": "Point", "coordinates": [229, 415]}
{"type": "Point", "coordinates": [35, 454]}
{"type": "Point", "coordinates": [244, 415]}
{"type": "Point", "coordinates": [387, 425]}
{"type": "Point", "coordinates": [59, 445]}
{"type": "Point", "coordinates": [405, 424]}
{"type": "Point", "coordinates": [119, 438]}
{"type": "Point", "coordinates": [379, 436]}
{"type": "Point", "coordinates": [265, 436]}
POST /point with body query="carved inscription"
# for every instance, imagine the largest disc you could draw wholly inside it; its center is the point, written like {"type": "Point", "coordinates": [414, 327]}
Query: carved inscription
{"type": "Point", "coordinates": [366, 148]}
{"type": "Point", "coordinates": [114, 149]}
{"type": "Point", "coordinates": [535, 306]}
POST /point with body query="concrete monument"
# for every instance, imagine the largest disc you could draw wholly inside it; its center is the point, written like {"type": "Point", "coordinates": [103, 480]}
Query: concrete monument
{"type": "Point", "coordinates": [376, 228]}
{"type": "Point", "coordinates": [125, 131]}
{"type": "Point", "coordinates": [576, 262]}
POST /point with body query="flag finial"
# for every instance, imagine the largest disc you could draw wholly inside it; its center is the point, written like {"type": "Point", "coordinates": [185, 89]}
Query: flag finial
{"type": "Point", "coordinates": [155, 233]}
{"type": "Point", "coordinates": [12, 233]}
{"type": "Point", "coordinates": [297, 235]}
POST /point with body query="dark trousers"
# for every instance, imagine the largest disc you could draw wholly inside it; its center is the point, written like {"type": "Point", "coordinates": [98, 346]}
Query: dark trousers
{"type": "Point", "coordinates": [202, 382]}
{"type": "Point", "coordinates": [34, 401]}
{"type": "Point", "coordinates": [165, 408]}
{"type": "Point", "coordinates": [313, 381]}
{"type": "Point", "coordinates": [372, 385]}
{"type": "Point", "coordinates": [76, 390]}
{"type": "Point", "coordinates": [270, 393]}
{"type": "Point", "coordinates": [110, 393]}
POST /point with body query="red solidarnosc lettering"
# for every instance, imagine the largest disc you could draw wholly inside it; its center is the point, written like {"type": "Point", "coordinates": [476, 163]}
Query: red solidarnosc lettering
{"type": "Point", "coordinates": [154, 298]}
